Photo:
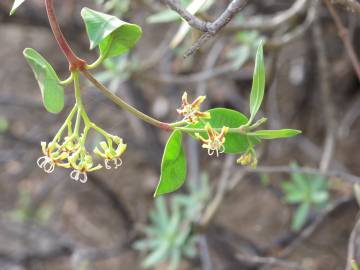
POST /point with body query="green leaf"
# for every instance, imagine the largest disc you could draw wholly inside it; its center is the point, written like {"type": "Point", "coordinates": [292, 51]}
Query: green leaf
{"type": "Point", "coordinates": [157, 256]}
{"type": "Point", "coordinates": [173, 166]}
{"type": "Point", "coordinates": [113, 36]}
{"type": "Point", "coordinates": [234, 143]}
{"type": "Point", "coordinates": [299, 179]}
{"type": "Point", "coordinates": [51, 90]}
{"type": "Point", "coordinates": [295, 197]}
{"type": "Point", "coordinates": [276, 134]}
{"type": "Point", "coordinates": [318, 182]}
{"type": "Point", "coordinates": [300, 216]}
{"type": "Point", "coordinates": [258, 83]}
{"type": "Point", "coordinates": [320, 197]}
{"type": "Point", "coordinates": [175, 259]}
{"type": "Point", "coordinates": [146, 244]}
{"type": "Point", "coordinates": [288, 187]}
{"type": "Point", "coordinates": [161, 217]}
{"type": "Point", "coordinates": [17, 3]}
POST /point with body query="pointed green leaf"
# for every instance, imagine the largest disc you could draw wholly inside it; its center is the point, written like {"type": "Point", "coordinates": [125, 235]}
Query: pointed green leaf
{"type": "Point", "coordinates": [320, 197]}
{"type": "Point", "coordinates": [234, 143]}
{"type": "Point", "coordinates": [173, 166]}
{"type": "Point", "coordinates": [161, 217]}
{"type": "Point", "coordinates": [113, 36]}
{"type": "Point", "coordinates": [158, 255]}
{"type": "Point", "coordinates": [276, 134]}
{"type": "Point", "coordinates": [258, 83]}
{"type": "Point", "coordinates": [294, 197]}
{"type": "Point", "coordinates": [289, 187]}
{"type": "Point", "coordinates": [300, 216]}
{"type": "Point", "coordinates": [51, 90]}
{"type": "Point", "coordinates": [17, 3]}
{"type": "Point", "coordinates": [298, 179]}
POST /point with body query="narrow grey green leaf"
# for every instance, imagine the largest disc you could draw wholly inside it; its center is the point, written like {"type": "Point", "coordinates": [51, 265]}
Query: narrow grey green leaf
{"type": "Point", "coordinates": [258, 83]}
{"type": "Point", "coordinates": [276, 134]}
{"type": "Point", "coordinates": [300, 216]}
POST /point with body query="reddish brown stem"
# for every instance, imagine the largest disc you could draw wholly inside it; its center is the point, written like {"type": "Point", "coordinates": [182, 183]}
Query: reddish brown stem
{"type": "Point", "coordinates": [74, 61]}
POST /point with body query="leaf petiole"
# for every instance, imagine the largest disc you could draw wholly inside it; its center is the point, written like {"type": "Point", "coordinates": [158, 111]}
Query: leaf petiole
{"type": "Point", "coordinates": [96, 64]}
{"type": "Point", "coordinates": [67, 81]}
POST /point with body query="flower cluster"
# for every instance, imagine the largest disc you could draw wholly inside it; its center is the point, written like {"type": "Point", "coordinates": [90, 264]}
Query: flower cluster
{"type": "Point", "coordinates": [191, 111]}
{"type": "Point", "coordinates": [71, 152]}
{"type": "Point", "coordinates": [215, 141]}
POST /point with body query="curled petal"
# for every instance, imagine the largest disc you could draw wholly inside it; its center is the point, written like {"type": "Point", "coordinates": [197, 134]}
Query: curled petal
{"type": "Point", "coordinates": [41, 161]}
{"type": "Point", "coordinates": [210, 131]}
{"type": "Point", "coordinates": [117, 162]}
{"type": "Point", "coordinates": [204, 115]}
{"type": "Point", "coordinates": [107, 166]}
{"type": "Point", "coordinates": [198, 101]}
{"type": "Point", "coordinates": [184, 99]}
{"type": "Point", "coordinates": [46, 164]}
{"type": "Point", "coordinates": [44, 148]}
{"type": "Point", "coordinates": [75, 174]}
{"type": "Point", "coordinates": [49, 166]}
{"type": "Point", "coordinates": [222, 149]}
{"type": "Point", "coordinates": [83, 177]}
{"type": "Point", "coordinates": [223, 132]}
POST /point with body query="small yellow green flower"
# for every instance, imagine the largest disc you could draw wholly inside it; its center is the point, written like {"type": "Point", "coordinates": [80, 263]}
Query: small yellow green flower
{"type": "Point", "coordinates": [191, 112]}
{"type": "Point", "coordinates": [248, 158]}
{"type": "Point", "coordinates": [215, 141]}
{"type": "Point", "coordinates": [111, 155]}
{"type": "Point", "coordinates": [53, 156]}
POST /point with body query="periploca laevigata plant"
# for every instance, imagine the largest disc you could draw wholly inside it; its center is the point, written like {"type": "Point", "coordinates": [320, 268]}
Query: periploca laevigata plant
{"type": "Point", "coordinates": [219, 130]}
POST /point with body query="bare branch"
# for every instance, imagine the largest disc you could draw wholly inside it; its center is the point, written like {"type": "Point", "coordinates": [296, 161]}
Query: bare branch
{"type": "Point", "coordinates": [270, 261]}
{"type": "Point", "coordinates": [327, 102]}
{"type": "Point", "coordinates": [234, 7]}
{"type": "Point", "coordinates": [209, 29]}
{"type": "Point", "coordinates": [297, 32]}
{"type": "Point", "coordinates": [271, 23]}
{"type": "Point", "coordinates": [187, 16]}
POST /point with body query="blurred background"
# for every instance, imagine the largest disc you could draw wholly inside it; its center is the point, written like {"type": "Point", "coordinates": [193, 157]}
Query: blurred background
{"type": "Point", "coordinates": [295, 211]}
